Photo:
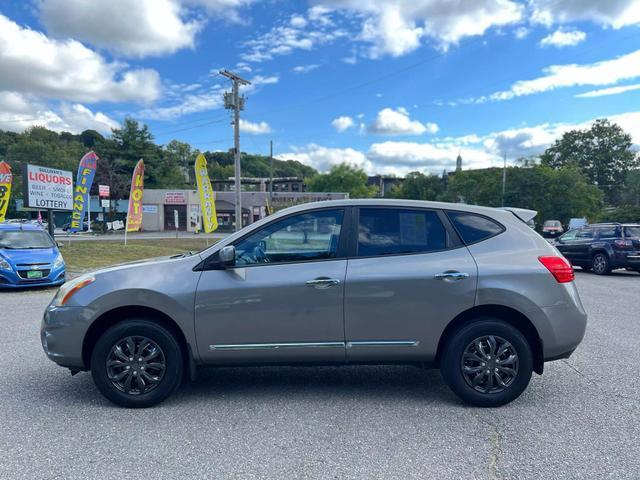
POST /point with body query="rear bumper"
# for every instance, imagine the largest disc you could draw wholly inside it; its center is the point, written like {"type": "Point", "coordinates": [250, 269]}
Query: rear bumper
{"type": "Point", "coordinates": [566, 325]}
{"type": "Point", "coordinates": [627, 260]}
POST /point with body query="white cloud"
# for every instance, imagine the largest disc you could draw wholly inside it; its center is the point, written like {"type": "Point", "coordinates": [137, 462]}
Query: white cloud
{"type": "Point", "coordinates": [136, 28]}
{"type": "Point", "coordinates": [397, 27]}
{"type": "Point", "coordinates": [32, 63]}
{"type": "Point", "coordinates": [18, 113]}
{"type": "Point", "coordinates": [264, 80]}
{"type": "Point", "coordinates": [605, 72]}
{"type": "Point", "coordinates": [609, 91]}
{"type": "Point", "coordinates": [561, 38]}
{"type": "Point", "coordinates": [259, 128]}
{"type": "Point", "coordinates": [477, 151]}
{"type": "Point", "coordinates": [190, 103]}
{"type": "Point", "coordinates": [521, 32]}
{"type": "Point", "coordinates": [342, 123]}
{"type": "Point", "coordinates": [297, 33]}
{"type": "Point", "coordinates": [323, 158]}
{"type": "Point", "coordinates": [609, 13]}
{"type": "Point", "coordinates": [304, 68]}
{"type": "Point", "coordinates": [398, 122]}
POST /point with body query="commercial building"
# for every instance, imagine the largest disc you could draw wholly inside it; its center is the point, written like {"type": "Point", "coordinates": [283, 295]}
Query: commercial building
{"type": "Point", "coordinates": [161, 208]}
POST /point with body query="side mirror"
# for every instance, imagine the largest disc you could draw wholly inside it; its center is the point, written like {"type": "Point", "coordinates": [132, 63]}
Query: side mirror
{"type": "Point", "coordinates": [59, 244]}
{"type": "Point", "coordinates": [227, 256]}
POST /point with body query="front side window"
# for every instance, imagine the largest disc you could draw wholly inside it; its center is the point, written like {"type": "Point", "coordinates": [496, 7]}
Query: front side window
{"type": "Point", "coordinates": [473, 228]}
{"type": "Point", "coordinates": [585, 234]}
{"type": "Point", "coordinates": [305, 237]}
{"type": "Point", "coordinates": [390, 231]}
{"type": "Point", "coordinates": [570, 235]}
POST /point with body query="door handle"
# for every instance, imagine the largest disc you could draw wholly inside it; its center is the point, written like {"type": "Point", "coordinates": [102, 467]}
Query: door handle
{"type": "Point", "coordinates": [451, 276]}
{"type": "Point", "coordinates": [322, 282]}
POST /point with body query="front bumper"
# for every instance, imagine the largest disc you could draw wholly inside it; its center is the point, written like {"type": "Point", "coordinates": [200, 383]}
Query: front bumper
{"type": "Point", "coordinates": [12, 279]}
{"type": "Point", "coordinates": [62, 333]}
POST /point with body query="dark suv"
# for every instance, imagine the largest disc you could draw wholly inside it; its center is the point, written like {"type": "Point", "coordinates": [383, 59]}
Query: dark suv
{"type": "Point", "coordinates": [602, 247]}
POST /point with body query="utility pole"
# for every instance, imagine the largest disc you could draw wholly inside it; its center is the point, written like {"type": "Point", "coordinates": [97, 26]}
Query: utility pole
{"type": "Point", "coordinates": [234, 101]}
{"type": "Point", "coordinates": [504, 177]}
{"type": "Point", "coordinates": [270, 173]}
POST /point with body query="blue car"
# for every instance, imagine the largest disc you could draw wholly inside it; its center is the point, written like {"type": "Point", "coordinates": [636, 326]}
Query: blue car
{"type": "Point", "coordinates": [28, 257]}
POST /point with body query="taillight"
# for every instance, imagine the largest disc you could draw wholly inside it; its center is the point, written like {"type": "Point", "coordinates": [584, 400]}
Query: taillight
{"type": "Point", "coordinates": [559, 267]}
{"type": "Point", "coordinates": [623, 244]}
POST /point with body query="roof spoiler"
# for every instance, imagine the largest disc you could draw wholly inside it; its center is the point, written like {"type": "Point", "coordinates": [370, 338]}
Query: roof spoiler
{"type": "Point", "coordinates": [522, 213]}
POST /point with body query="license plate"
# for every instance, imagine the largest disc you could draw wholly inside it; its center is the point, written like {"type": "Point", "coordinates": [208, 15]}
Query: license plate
{"type": "Point", "coordinates": [34, 274]}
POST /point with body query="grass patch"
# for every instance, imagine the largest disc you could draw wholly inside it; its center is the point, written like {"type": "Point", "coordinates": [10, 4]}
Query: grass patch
{"type": "Point", "coordinates": [84, 255]}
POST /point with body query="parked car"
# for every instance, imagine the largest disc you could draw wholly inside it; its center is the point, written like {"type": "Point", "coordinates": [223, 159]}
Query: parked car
{"type": "Point", "coordinates": [602, 247]}
{"type": "Point", "coordinates": [471, 290]}
{"type": "Point", "coordinates": [28, 257]}
{"type": "Point", "coordinates": [67, 226]}
{"type": "Point", "coordinates": [552, 228]}
{"type": "Point", "coordinates": [577, 223]}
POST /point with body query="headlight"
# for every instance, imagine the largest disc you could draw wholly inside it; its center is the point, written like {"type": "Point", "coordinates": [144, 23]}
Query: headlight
{"type": "Point", "coordinates": [4, 265]}
{"type": "Point", "coordinates": [68, 289]}
{"type": "Point", "coordinates": [59, 262]}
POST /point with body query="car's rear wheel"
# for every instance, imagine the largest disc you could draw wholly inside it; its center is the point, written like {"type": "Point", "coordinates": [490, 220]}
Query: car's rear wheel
{"type": "Point", "coordinates": [487, 363]}
{"type": "Point", "coordinates": [137, 363]}
{"type": "Point", "coordinates": [600, 264]}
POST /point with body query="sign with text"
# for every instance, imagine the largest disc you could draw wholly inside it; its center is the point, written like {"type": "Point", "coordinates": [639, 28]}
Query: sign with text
{"type": "Point", "coordinates": [175, 198]}
{"type": "Point", "coordinates": [207, 200]}
{"type": "Point", "coordinates": [48, 188]}
{"type": "Point", "coordinates": [149, 208]}
{"type": "Point", "coordinates": [5, 188]}
{"type": "Point", "coordinates": [105, 203]}
{"type": "Point", "coordinates": [103, 190]}
{"type": "Point", "coordinates": [134, 213]}
{"type": "Point", "coordinates": [86, 172]}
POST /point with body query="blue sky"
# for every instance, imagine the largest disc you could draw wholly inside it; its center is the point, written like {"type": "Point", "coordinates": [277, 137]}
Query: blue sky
{"type": "Point", "coordinates": [391, 86]}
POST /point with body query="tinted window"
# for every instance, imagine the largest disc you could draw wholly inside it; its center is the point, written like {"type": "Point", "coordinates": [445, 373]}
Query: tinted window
{"type": "Point", "coordinates": [473, 228]}
{"type": "Point", "coordinates": [570, 235]}
{"type": "Point", "coordinates": [632, 232]}
{"type": "Point", "coordinates": [388, 231]}
{"type": "Point", "coordinates": [585, 234]}
{"type": "Point", "coordinates": [305, 237]}
{"type": "Point", "coordinates": [609, 232]}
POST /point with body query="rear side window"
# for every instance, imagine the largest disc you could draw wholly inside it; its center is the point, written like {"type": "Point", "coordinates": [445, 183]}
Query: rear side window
{"type": "Point", "coordinates": [609, 232]}
{"type": "Point", "coordinates": [390, 231]}
{"type": "Point", "coordinates": [473, 228]}
{"type": "Point", "coordinates": [632, 232]}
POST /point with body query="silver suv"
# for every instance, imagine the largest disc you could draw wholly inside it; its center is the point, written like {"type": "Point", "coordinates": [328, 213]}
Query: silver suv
{"type": "Point", "coordinates": [471, 290]}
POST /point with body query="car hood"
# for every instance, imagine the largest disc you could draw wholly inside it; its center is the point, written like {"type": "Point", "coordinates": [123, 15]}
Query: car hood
{"type": "Point", "coordinates": [147, 262]}
{"type": "Point", "coordinates": [29, 256]}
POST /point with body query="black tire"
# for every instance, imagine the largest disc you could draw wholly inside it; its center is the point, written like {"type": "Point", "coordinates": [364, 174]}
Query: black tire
{"type": "Point", "coordinates": [162, 344]}
{"type": "Point", "coordinates": [451, 364]}
{"type": "Point", "coordinates": [600, 264]}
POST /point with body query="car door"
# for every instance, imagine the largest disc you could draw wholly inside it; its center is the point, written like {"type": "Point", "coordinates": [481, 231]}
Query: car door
{"type": "Point", "coordinates": [581, 247]}
{"type": "Point", "coordinates": [567, 245]}
{"type": "Point", "coordinates": [282, 300]}
{"type": "Point", "coordinates": [409, 277]}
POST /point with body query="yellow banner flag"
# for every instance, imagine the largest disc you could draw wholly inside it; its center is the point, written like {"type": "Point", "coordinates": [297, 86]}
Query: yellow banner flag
{"type": "Point", "coordinates": [5, 188]}
{"type": "Point", "coordinates": [207, 198]}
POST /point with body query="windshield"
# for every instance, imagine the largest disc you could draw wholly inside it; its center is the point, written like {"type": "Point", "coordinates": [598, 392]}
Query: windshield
{"type": "Point", "coordinates": [633, 232]}
{"type": "Point", "coordinates": [25, 239]}
{"type": "Point", "coordinates": [552, 223]}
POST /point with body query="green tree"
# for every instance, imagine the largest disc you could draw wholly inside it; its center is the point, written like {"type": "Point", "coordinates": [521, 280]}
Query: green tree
{"type": "Point", "coordinates": [602, 152]}
{"type": "Point", "coordinates": [342, 178]}
{"type": "Point", "coordinates": [418, 186]}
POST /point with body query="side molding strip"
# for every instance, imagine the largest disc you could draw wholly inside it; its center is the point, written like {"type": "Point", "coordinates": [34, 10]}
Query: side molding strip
{"type": "Point", "coordinates": [275, 346]}
{"type": "Point", "coordinates": [384, 343]}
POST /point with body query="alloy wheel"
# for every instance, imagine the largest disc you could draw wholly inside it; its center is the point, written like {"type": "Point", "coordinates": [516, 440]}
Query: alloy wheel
{"type": "Point", "coordinates": [489, 364]}
{"type": "Point", "coordinates": [136, 365]}
{"type": "Point", "coordinates": [599, 264]}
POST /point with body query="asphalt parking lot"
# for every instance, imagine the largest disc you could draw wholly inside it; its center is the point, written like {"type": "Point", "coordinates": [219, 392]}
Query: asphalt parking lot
{"type": "Point", "coordinates": [581, 419]}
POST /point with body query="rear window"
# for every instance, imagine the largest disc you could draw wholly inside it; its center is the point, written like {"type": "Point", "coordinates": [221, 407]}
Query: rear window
{"type": "Point", "coordinates": [473, 228]}
{"type": "Point", "coordinates": [391, 231]}
{"type": "Point", "coordinates": [552, 223]}
{"type": "Point", "coordinates": [632, 232]}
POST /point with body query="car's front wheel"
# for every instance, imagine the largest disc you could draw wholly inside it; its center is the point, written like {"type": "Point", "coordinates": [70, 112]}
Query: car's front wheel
{"type": "Point", "coordinates": [487, 363]}
{"type": "Point", "coordinates": [137, 363]}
